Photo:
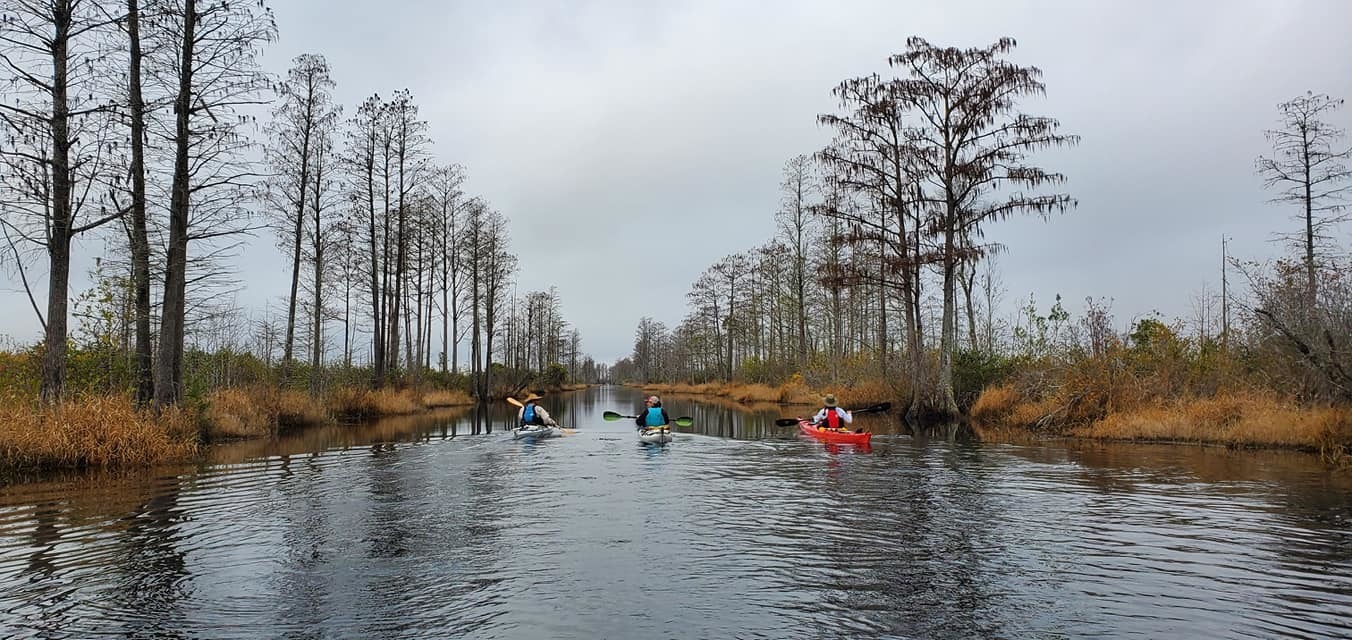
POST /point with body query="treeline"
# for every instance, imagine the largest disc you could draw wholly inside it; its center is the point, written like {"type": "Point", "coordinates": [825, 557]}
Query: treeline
{"type": "Point", "coordinates": [150, 124]}
{"type": "Point", "coordinates": [881, 268]}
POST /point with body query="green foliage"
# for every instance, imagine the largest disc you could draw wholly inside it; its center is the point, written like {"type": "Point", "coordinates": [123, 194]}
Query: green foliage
{"type": "Point", "coordinates": [1037, 335]}
{"type": "Point", "coordinates": [555, 375]}
{"type": "Point", "coordinates": [974, 370]}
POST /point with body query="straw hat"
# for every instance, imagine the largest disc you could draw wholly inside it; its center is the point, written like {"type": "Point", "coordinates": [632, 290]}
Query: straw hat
{"type": "Point", "coordinates": [533, 397]}
{"type": "Point", "coordinates": [830, 401]}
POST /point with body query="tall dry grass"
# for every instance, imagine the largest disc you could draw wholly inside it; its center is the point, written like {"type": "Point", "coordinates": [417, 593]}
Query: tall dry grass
{"type": "Point", "coordinates": [256, 411]}
{"type": "Point", "coordinates": [446, 398]}
{"type": "Point", "coordinates": [353, 402]}
{"type": "Point", "coordinates": [1248, 418]}
{"type": "Point", "coordinates": [233, 413]}
{"type": "Point", "coordinates": [93, 432]}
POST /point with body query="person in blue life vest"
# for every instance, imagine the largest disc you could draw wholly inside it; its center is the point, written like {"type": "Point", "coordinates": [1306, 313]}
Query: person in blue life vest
{"type": "Point", "coordinates": [533, 414]}
{"type": "Point", "coordinates": [653, 415]}
{"type": "Point", "coordinates": [832, 416]}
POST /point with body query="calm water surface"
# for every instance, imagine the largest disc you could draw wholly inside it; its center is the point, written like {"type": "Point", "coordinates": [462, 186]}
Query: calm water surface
{"type": "Point", "coordinates": [430, 527]}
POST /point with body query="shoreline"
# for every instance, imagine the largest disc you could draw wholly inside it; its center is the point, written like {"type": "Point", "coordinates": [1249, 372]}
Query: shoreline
{"type": "Point", "coordinates": [1237, 421]}
{"type": "Point", "coordinates": [110, 432]}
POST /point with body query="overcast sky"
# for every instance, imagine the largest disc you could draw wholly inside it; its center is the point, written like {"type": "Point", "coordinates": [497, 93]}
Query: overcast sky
{"type": "Point", "coordinates": [633, 145]}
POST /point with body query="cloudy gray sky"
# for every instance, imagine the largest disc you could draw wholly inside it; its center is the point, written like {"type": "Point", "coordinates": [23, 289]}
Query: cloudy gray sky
{"type": "Point", "coordinates": [632, 145]}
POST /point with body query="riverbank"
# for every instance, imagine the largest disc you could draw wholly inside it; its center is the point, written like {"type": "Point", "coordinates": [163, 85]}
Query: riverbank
{"type": "Point", "coordinates": [110, 431]}
{"type": "Point", "coordinates": [1236, 419]}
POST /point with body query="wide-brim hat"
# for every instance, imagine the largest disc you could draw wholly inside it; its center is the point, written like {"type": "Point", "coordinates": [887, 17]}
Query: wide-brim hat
{"type": "Point", "coordinates": [830, 401]}
{"type": "Point", "coordinates": [532, 396]}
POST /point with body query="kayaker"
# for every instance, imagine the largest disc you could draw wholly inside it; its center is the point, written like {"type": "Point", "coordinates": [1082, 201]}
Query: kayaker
{"type": "Point", "coordinates": [654, 415]}
{"type": "Point", "coordinates": [533, 414]}
{"type": "Point", "coordinates": [831, 415]}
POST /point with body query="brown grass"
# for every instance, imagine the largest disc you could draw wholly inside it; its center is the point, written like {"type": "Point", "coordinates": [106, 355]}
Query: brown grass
{"type": "Point", "coordinates": [352, 402]}
{"type": "Point", "coordinates": [233, 413]}
{"type": "Point", "coordinates": [93, 432]}
{"type": "Point", "coordinates": [1248, 419]}
{"type": "Point", "coordinates": [446, 398]}
{"type": "Point", "coordinates": [296, 409]}
{"type": "Point", "coordinates": [995, 405]}
{"type": "Point", "coordinates": [254, 412]}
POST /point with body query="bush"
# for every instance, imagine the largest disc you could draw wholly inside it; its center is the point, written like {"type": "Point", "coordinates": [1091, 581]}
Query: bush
{"type": "Point", "coordinates": [974, 371]}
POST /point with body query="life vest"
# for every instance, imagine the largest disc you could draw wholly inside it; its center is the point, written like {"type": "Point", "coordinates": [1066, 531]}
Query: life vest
{"type": "Point", "coordinates": [832, 418]}
{"type": "Point", "coordinates": [528, 416]}
{"type": "Point", "coordinates": [654, 417]}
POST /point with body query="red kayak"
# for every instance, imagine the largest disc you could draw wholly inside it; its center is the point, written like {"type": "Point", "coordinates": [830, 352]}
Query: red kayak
{"type": "Point", "coordinates": [830, 435]}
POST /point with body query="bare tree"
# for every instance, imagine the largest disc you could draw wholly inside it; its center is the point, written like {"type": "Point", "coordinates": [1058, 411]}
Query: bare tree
{"type": "Point", "coordinates": [449, 200]}
{"type": "Point", "coordinates": [214, 71]}
{"type": "Point", "coordinates": [304, 112]}
{"type": "Point", "coordinates": [57, 131]}
{"type": "Point", "coordinates": [363, 148]}
{"type": "Point", "coordinates": [322, 233]}
{"type": "Point", "coordinates": [1309, 169]}
{"type": "Point", "coordinates": [795, 228]}
{"type": "Point", "coordinates": [407, 147]}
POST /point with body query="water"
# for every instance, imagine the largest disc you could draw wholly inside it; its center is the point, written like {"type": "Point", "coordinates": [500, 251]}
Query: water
{"type": "Point", "coordinates": [421, 528]}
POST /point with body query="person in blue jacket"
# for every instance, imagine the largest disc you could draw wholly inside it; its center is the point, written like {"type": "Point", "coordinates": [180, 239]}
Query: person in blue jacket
{"type": "Point", "coordinates": [653, 415]}
{"type": "Point", "coordinates": [532, 414]}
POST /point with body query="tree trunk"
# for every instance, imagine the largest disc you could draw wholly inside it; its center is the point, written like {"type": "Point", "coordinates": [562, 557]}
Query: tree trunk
{"type": "Point", "coordinates": [968, 280]}
{"type": "Point", "coordinates": [169, 365]}
{"type": "Point", "coordinates": [317, 342]}
{"type": "Point", "coordinates": [60, 223]}
{"type": "Point", "coordinates": [1311, 290]}
{"type": "Point", "coordinates": [139, 238]}
{"type": "Point", "coordinates": [377, 295]}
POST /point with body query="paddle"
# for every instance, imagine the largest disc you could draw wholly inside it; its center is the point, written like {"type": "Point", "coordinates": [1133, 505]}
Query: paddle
{"type": "Point", "coordinates": [517, 403]}
{"type": "Point", "coordinates": [877, 408]}
{"type": "Point", "coordinates": [611, 416]}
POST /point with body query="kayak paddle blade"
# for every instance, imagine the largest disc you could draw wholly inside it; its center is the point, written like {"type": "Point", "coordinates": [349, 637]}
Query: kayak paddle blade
{"type": "Point", "coordinates": [611, 416]}
{"type": "Point", "coordinates": [786, 422]}
{"type": "Point", "coordinates": [514, 402]}
{"type": "Point", "coordinates": [684, 421]}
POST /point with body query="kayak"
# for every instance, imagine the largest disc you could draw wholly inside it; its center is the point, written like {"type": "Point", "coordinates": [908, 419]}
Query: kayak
{"type": "Point", "coordinates": [655, 435]}
{"type": "Point", "coordinates": [536, 432]}
{"type": "Point", "coordinates": [842, 436]}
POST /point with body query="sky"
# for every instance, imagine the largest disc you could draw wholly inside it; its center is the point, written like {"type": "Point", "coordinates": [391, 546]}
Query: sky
{"type": "Point", "coordinates": [632, 145]}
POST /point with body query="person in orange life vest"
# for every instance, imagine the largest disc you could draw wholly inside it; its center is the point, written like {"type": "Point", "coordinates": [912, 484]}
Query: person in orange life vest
{"type": "Point", "coordinates": [534, 414]}
{"type": "Point", "coordinates": [653, 415]}
{"type": "Point", "coordinates": [832, 416]}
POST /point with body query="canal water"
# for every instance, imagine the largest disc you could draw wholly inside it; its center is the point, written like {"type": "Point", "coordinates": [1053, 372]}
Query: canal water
{"type": "Point", "coordinates": [442, 526]}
